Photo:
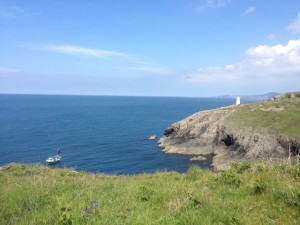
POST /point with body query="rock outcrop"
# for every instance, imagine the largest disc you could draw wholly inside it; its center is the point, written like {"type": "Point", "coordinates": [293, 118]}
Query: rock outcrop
{"type": "Point", "coordinates": [211, 131]}
{"type": "Point", "coordinates": [6, 167]}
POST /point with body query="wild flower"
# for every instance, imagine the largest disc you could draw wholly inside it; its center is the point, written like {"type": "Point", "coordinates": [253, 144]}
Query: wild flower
{"type": "Point", "coordinates": [95, 203]}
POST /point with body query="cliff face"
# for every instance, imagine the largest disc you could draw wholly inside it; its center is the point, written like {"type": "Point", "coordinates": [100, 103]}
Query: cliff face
{"type": "Point", "coordinates": [230, 141]}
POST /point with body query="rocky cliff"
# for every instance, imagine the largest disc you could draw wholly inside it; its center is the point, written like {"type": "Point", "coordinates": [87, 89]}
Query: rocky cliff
{"type": "Point", "coordinates": [235, 133]}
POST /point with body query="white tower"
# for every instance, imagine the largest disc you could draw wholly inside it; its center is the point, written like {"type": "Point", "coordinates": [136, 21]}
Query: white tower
{"type": "Point", "coordinates": [238, 100]}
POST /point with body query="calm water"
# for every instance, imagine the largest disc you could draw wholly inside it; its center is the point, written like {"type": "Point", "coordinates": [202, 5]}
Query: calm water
{"type": "Point", "coordinates": [95, 133]}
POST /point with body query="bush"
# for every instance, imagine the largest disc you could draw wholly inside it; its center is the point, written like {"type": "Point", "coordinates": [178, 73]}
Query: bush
{"type": "Point", "coordinates": [290, 198]}
{"type": "Point", "coordinates": [260, 186]}
{"type": "Point", "coordinates": [242, 167]}
{"type": "Point", "coordinates": [145, 193]}
{"type": "Point", "coordinates": [65, 218]}
{"type": "Point", "coordinates": [261, 167]}
{"type": "Point", "coordinates": [194, 173]}
{"type": "Point", "coordinates": [230, 177]}
{"type": "Point", "coordinates": [294, 171]}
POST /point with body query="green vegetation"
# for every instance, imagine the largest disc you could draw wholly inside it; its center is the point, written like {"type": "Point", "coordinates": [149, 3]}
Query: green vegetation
{"type": "Point", "coordinates": [248, 193]}
{"type": "Point", "coordinates": [282, 115]}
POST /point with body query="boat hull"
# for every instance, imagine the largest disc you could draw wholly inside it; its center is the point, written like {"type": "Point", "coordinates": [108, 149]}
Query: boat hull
{"type": "Point", "coordinates": [53, 160]}
{"type": "Point", "coordinates": [52, 163]}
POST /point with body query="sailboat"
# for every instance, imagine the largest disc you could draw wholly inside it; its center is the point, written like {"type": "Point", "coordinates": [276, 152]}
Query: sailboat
{"type": "Point", "coordinates": [54, 159]}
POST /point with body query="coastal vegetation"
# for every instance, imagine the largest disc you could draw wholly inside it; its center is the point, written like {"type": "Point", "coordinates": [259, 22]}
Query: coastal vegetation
{"type": "Point", "coordinates": [281, 114]}
{"type": "Point", "coordinates": [248, 193]}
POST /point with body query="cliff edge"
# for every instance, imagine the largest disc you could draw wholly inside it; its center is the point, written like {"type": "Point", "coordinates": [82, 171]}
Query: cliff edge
{"type": "Point", "coordinates": [269, 129]}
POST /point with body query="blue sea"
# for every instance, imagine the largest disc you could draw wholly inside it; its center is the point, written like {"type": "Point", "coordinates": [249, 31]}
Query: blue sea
{"type": "Point", "coordinates": [102, 134]}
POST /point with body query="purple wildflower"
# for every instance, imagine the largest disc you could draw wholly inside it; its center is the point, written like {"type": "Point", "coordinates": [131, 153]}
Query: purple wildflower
{"type": "Point", "coordinates": [95, 203]}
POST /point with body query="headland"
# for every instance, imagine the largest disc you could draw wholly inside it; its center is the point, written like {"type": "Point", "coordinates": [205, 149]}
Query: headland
{"type": "Point", "coordinates": [259, 131]}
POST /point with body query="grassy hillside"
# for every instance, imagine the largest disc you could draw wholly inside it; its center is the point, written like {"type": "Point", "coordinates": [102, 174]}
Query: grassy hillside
{"type": "Point", "coordinates": [282, 114]}
{"type": "Point", "coordinates": [246, 194]}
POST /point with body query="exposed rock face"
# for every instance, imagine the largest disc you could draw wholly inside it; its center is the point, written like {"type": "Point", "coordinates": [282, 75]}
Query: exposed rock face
{"type": "Point", "coordinates": [6, 167]}
{"type": "Point", "coordinates": [211, 132]}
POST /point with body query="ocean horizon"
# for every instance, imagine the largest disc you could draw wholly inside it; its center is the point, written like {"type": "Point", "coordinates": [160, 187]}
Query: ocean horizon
{"type": "Point", "coordinates": [100, 134]}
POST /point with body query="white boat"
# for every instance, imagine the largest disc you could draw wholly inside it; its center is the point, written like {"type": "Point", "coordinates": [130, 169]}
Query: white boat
{"type": "Point", "coordinates": [54, 159]}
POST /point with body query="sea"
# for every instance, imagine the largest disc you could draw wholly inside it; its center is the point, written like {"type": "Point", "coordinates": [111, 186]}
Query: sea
{"type": "Point", "coordinates": [99, 134]}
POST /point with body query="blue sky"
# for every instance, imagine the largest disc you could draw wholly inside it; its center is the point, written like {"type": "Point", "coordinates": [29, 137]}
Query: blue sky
{"type": "Point", "coordinates": [196, 48]}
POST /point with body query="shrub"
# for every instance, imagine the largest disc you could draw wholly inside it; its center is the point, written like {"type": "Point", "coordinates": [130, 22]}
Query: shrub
{"type": "Point", "coordinates": [260, 186]}
{"type": "Point", "coordinates": [145, 193]}
{"type": "Point", "coordinates": [294, 171]}
{"type": "Point", "coordinates": [242, 167]}
{"type": "Point", "coordinates": [194, 173]}
{"type": "Point", "coordinates": [290, 198]}
{"type": "Point", "coordinates": [65, 218]}
{"type": "Point", "coordinates": [230, 177]}
{"type": "Point", "coordinates": [261, 167]}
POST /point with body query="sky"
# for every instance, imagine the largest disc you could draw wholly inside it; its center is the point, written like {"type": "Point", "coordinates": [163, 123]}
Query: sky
{"type": "Point", "coordinates": [188, 48]}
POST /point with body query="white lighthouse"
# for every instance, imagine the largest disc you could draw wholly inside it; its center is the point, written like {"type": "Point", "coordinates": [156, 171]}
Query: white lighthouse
{"type": "Point", "coordinates": [238, 100]}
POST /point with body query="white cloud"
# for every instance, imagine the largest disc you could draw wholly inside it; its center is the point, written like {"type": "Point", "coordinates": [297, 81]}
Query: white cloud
{"type": "Point", "coordinates": [77, 50]}
{"type": "Point", "coordinates": [295, 26]}
{"type": "Point", "coordinates": [15, 11]}
{"type": "Point", "coordinates": [144, 66]}
{"type": "Point", "coordinates": [249, 10]}
{"type": "Point", "coordinates": [261, 62]}
{"type": "Point", "coordinates": [4, 70]}
{"type": "Point", "coordinates": [207, 4]}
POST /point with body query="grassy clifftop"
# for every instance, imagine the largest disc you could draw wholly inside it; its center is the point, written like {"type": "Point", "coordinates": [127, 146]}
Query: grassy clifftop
{"type": "Point", "coordinates": [245, 194]}
{"type": "Point", "coordinates": [281, 114]}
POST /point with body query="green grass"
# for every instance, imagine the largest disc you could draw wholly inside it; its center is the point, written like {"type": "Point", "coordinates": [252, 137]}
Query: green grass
{"type": "Point", "coordinates": [246, 194]}
{"type": "Point", "coordinates": [281, 115]}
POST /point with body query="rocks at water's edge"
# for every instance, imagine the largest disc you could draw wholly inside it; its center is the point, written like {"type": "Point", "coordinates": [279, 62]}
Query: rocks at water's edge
{"type": "Point", "coordinates": [152, 137]}
{"type": "Point", "coordinates": [6, 167]}
{"type": "Point", "coordinates": [198, 158]}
